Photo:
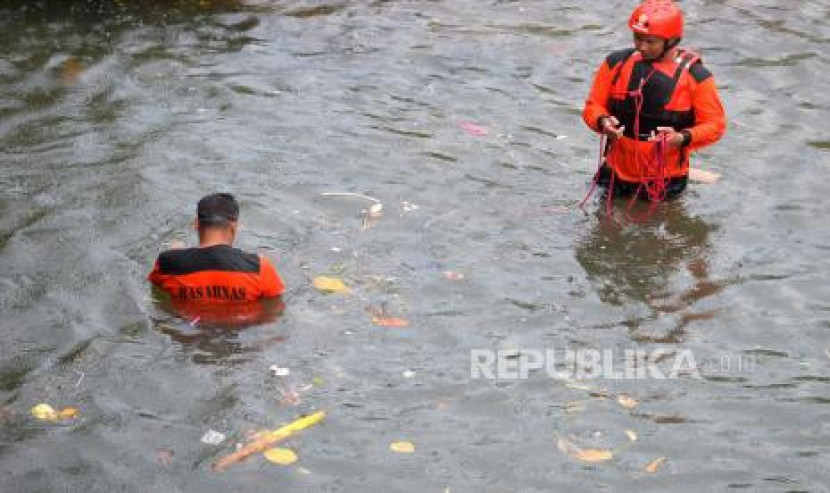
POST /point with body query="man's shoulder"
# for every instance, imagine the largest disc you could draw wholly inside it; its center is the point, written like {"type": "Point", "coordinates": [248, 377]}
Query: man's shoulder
{"type": "Point", "coordinates": [699, 72]}
{"type": "Point", "coordinates": [218, 258]}
{"type": "Point", "coordinates": [618, 57]}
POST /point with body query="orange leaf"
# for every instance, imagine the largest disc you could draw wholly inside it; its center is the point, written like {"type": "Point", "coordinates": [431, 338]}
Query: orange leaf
{"type": "Point", "coordinates": [585, 455]}
{"type": "Point", "coordinates": [654, 465]}
{"type": "Point", "coordinates": [68, 413]}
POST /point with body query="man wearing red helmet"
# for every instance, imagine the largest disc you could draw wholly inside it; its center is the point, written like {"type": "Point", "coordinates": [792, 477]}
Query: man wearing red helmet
{"type": "Point", "coordinates": [656, 103]}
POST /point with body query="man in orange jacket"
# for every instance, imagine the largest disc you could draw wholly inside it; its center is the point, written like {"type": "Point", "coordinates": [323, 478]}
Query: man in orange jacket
{"type": "Point", "coordinates": [655, 103]}
{"type": "Point", "coordinates": [216, 282]}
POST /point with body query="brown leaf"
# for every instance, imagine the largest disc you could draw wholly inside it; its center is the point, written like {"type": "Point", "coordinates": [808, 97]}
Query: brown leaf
{"type": "Point", "coordinates": [585, 455]}
{"type": "Point", "coordinates": [71, 71]}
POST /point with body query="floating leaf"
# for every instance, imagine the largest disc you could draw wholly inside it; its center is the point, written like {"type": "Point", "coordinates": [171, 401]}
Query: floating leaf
{"type": "Point", "coordinates": [329, 284]}
{"type": "Point", "coordinates": [44, 412]}
{"type": "Point", "coordinates": [632, 435]}
{"type": "Point", "coordinates": [654, 465]}
{"type": "Point", "coordinates": [318, 381]}
{"type": "Point", "coordinates": [68, 413]}
{"type": "Point", "coordinates": [402, 447]}
{"type": "Point", "coordinates": [71, 70]}
{"type": "Point", "coordinates": [390, 322]}
{"type": "Point", "coordinates": [281, 456]}
{"type": "Point", "coordinates": [585, 455]}
{"type": "Point", "coordinates": [627, 401]}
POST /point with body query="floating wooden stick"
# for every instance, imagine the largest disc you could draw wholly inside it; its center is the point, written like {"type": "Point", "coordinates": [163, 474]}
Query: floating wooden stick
{"type": "Point", "coordinates": [268, 439]}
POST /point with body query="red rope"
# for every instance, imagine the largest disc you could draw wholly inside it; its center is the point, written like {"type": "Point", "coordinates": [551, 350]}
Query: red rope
{"type": "Point", "coordinates": [653, 177]}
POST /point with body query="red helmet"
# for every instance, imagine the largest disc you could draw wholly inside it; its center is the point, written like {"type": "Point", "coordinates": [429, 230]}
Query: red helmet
{"type": "Point", "coordinates": [661, 18]}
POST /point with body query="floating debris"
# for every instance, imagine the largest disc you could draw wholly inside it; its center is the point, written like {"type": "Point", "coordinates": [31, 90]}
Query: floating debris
{"type": "Point", "coordinates": [390, 321]}
{"type": "Point", "coordinates": [266, 440]}
{"type": "Point", "coordinates": [164, 456]}
{"type": "Point", "coordinates": [473, 129]}
{"type": "Point", "coordinates": [328, 284]}
{"type": "Point", "coordinates": [281, 456]}
{"type": "Point", "coordinates": [213, 437]}
{"type": "Point", "coordinates": [45, 412]}
{"type": "Point", "coordinates": [402, 447]}
{"type": "Point", "coordinates": [585, 455]}
{"type": "Point", "coordinates": [627, 401]}
{"type": "Point", "coordinates": [279, 371]}
{"type": "Point", "coordinates": [703, 176]}
{"type": "Point", "coordinates": [654, 465]}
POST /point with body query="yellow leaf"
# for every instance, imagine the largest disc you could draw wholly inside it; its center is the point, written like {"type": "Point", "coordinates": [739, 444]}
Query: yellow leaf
{"type": "Point", "coordinates": [68, 413]}
{"type": "Point", "coordinates": [594, 455]}
{"type": "Point", "coordinates": [585, 455]}
{"type": "Point", "coordinates": [44, 412]}
{"type": "Point", "coordinates": [390, 322]}
{"type": "Point", "coordinates": [654, 465]}
{"type": "Point", "coordinates": [329, 284]}
{"type": "Point", "coordinates": [402, 447]}
{"type": "Point", "coordinates": [627, 401]}
{"type": "Point", "coordinates": [281, 456]}
{"type": "Point", "coordinates": [632, 435]}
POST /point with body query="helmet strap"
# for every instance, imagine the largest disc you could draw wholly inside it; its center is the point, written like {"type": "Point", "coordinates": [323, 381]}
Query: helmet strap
{"type": "Point", "coordinates": [670, 45]}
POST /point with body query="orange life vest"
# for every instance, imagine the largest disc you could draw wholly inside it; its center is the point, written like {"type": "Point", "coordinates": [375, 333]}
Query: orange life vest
{"type": "Point", "coordinates": [643, 96]}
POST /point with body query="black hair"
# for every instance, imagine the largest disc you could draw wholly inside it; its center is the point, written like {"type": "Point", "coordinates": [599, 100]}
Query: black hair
{"type": "Point", "coordinates": [217, 209]}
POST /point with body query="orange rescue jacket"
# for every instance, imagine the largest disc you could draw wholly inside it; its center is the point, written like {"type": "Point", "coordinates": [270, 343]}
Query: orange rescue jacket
{"type": "Point", "coordinates": [215, 275]}
{"type": "Point", "coordinates": [678, 93]}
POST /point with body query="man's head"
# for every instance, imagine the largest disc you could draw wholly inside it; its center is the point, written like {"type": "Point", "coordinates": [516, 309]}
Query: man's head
{"type": "Point", "coordinates": [216, 218]}
{"type": "Point", "coordinates": [657, 26]}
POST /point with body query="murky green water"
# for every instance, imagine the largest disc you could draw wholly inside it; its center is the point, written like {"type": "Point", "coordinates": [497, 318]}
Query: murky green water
{"type": "Point", "coordinates": [115, 120]}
